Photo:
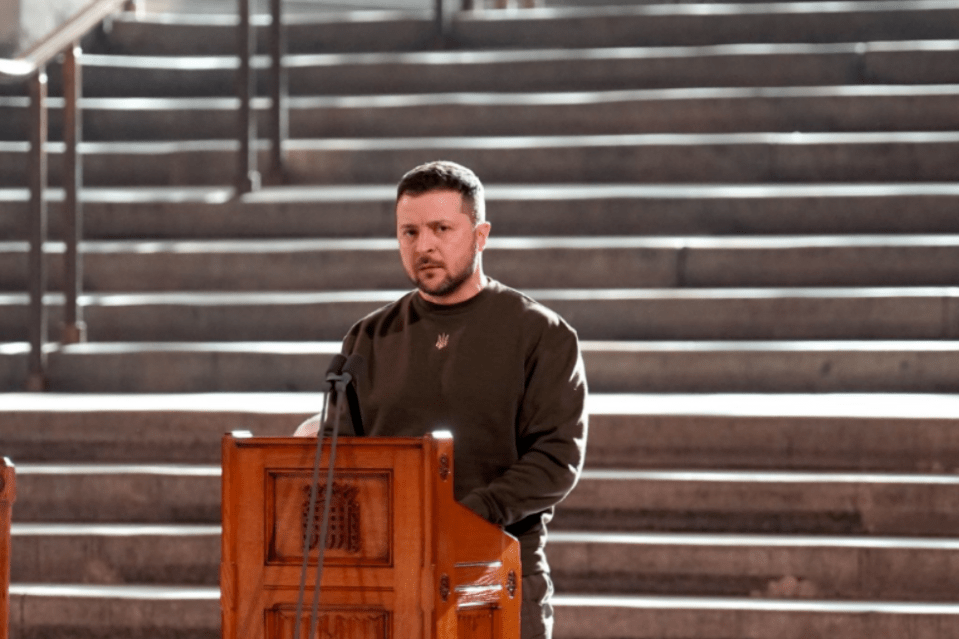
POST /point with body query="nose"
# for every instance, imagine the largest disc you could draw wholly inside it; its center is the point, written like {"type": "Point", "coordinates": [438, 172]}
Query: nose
{"type": "Point", "coordinates": [425, 243]}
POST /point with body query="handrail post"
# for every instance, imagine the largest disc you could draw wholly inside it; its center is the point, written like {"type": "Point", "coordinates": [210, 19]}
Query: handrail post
{"type": "Point", "coordinates": [37, 274]}
{"type": "Point", "coordinates": [248, 177]}
{"type": "Point", "coordinates": [8, 495]}
{"type": "Point", "coordinates": [279, 121]}
{"type": "Point", "coordinates": [441, 20]}
{"type": "Point", "coordinates": [74, 329]}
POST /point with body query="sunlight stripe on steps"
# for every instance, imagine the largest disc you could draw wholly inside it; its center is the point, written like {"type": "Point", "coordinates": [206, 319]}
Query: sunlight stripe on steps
{"type": "Point", "coordinates": [755, 604]}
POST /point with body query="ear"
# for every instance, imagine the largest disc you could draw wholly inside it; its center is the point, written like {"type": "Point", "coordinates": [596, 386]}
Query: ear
{"type": "Point", "coordinates": [482, 234]}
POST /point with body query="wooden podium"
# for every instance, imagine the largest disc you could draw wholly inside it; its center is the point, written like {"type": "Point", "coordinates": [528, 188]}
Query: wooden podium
{"type": "Point", "coordinates": [403, 559]}
{"type": "Point", "coordinates": [8, 495]}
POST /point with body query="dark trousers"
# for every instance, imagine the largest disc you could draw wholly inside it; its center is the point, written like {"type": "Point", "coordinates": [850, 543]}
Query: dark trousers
{"type": "Point", "coordinates": [536, 621]}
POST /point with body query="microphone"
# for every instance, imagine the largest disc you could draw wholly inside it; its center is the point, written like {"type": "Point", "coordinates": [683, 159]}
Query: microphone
{"type": "Point", "coordinates": [354, 367]}
{"type": "Point", "coordinates": [333, 372]}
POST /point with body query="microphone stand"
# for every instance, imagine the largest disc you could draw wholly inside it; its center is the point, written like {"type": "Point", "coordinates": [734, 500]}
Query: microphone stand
{"type": "Point", "coordinates": [333, 374]}
{"type": "Point", "coordinates": [341, 374]}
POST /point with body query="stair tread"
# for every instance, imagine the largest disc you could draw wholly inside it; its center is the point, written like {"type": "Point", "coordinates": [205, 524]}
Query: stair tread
{"type": "Point", "coordinates": [564, 537]}
{"type": "Point", "coordinates": [825, 405]}
{"type": "Point", "coordinates": [175, 592]}
{"type": "Point", "coordinates": [710, 476]}
{"type": "Point", "coordinates": [487, 98]}
{"type": "Point", "coordinates": [377, 192]}
{"type": "Point", "coordinates": [151, 147]}
{"type": "Point", "coordinates": [546, 54]}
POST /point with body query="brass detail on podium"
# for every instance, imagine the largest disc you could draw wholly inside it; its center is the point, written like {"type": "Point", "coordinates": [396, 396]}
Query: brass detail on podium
{"type": "Point", "coordinates": [444, 467]}
{"type": "Point", "coordinates": [511, 583]}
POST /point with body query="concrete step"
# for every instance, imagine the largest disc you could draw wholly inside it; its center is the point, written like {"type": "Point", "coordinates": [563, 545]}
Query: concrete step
{"type": "Point", "coordinates": [599, 617]}
{"type": "Point", "coordinates": [604, 500]}
{"type": "Point", "coordinates": [591, 263]}
{"type": "Point", "coordinates": [115, 554]}
{"type": "Point", "coordinates": [727, 110]}
{"type": "Point", "coordinates": [774, 566]}
{"type": "Point", "coordinates": [118, 493]}
{"type": "Point", "coordinates": [636, 158]}
{"type": "Point", "coordinates": [660, 25]}
{"type": "Point", "coordinates": [516, 210]}
{"type": "Point", "coordinates": [759, 501]}
{"type": "Point", "coordinates": [150, 428]}
{"type": "Point", "coordinates": [135, 612]}
{"type": "Point", "coordinates": [825, 432]}
{"type": "Point", "coordinates": [561, 69]}
{"type": "Point", "coordinates": [67, 611]}
{"type": "Point", "coordinates": [612, 367]}
{"type": "Point", "coordinates": [843, 568]}
{"type": "Point", "coordinates": [597, 314]}
{"type": "Point", "coordinates": [887, 432]}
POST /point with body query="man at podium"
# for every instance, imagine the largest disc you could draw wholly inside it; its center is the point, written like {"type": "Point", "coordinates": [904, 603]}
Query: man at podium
{"type": "Point", "coordinates": [467, 354]}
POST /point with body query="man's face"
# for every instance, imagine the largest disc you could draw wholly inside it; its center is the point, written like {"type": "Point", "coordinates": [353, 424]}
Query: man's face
{"type": "Point", "coordinates": [439, 246]}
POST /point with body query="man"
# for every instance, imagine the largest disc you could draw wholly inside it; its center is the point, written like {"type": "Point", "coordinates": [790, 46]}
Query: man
{"type": "Point", "coordinates": [467, 354]}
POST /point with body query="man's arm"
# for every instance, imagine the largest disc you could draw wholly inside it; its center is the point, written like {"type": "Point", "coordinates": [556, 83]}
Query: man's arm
{"type": "Point", "coordinates": [551, 434]}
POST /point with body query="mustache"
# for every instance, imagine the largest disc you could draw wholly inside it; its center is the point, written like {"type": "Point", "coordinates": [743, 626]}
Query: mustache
{"type": "Point", "coordinates": [424, 262]}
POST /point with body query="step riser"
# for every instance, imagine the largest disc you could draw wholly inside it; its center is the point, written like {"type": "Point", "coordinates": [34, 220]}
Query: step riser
{"type": "Point", "coordinates": [807, 507]}
{"type": "Point", "coordinates": [718, 115]}
{"type": "Point", "coordinates": [729, 506]}
{"type": "Point", "coordinates": [896, 264]}
{"type": "Point", "coordinates": [118, 498]}
{"type": "Point", "coordinates": [176, 436]}
{"type": "Point", "coordinates": [69, 617]}
{"type": "Point", "coordinates": [743, 571]}
{"type": "Point", "coordinates": [615, 441]}
{"type": "Point", "coordinates": [664, 319]}
{"type": "Point", "coordinates": [692, 30]}
{"type": "Point", "coordinates": [572, 213]}
{"type": "Point", "coordinates": [565, 73]}
{"type": "Point", "coordinates": [63, 617]}
{"type": "Point", "coordinates": [623, 28]}
{"type": "Point", "coordinates": [603, 622]}
{"type": "Point", "coordinates": [890, 574]}
{"type": "Point", "coordinates": [345, 270]}
{"type": "Point", "coordinates": [99, 559]}
{"type": "Point", "coordinates": [814, 369]}
{"type": "Point", "coordinates": [516, 162]}
{"type": "Point", "coordinates": [809, 370]}
{"type": "Point", "coordinates": [799, 443]}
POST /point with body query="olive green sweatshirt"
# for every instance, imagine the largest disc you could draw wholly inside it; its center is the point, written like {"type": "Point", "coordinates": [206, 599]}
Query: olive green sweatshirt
{"type": "Point", "coordinates": [505, 376]}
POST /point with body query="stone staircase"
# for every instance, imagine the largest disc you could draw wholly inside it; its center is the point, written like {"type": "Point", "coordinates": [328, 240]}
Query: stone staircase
{"type": "Point", "coordinates": [748, 211]}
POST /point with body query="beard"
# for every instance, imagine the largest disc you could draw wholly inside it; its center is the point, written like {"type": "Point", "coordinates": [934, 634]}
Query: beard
{"type": "Point", "coordinates": [449, 284]}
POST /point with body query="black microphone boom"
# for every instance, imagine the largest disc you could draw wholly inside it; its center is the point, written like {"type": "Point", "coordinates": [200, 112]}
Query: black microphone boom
{"type": "Point", "coordinates": [354, 367]}
{"type": "Point", "coordinates": [336, 367]}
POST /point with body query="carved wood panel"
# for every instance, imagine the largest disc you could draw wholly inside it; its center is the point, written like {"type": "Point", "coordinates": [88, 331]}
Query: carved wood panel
{"type": "Point", "coordinates": [332, 623]}
{"type": "Point", "coordinates": [360, 517]}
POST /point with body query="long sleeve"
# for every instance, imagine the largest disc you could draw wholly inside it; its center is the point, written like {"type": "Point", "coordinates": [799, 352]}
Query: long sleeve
{"type": "Point", "coordinates": [551, 433]}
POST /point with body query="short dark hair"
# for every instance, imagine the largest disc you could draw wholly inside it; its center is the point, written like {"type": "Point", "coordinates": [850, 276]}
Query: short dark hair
{"type": "Point", "coordinates": [443, 175]}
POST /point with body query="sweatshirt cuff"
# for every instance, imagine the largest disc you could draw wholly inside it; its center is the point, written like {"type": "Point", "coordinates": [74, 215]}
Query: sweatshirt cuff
{"type": "Point", "coordinates": [475, 502]}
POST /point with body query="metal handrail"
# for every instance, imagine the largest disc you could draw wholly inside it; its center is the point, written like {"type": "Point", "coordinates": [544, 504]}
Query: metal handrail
{"type": "Point", "coordinates": [30, 68]}
{"type": "Point", "coordinates": [248, 176]}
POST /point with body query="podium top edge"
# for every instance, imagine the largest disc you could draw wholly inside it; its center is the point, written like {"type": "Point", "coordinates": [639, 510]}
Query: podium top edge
{"type": "Point", "coordinates": [246, 438]}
